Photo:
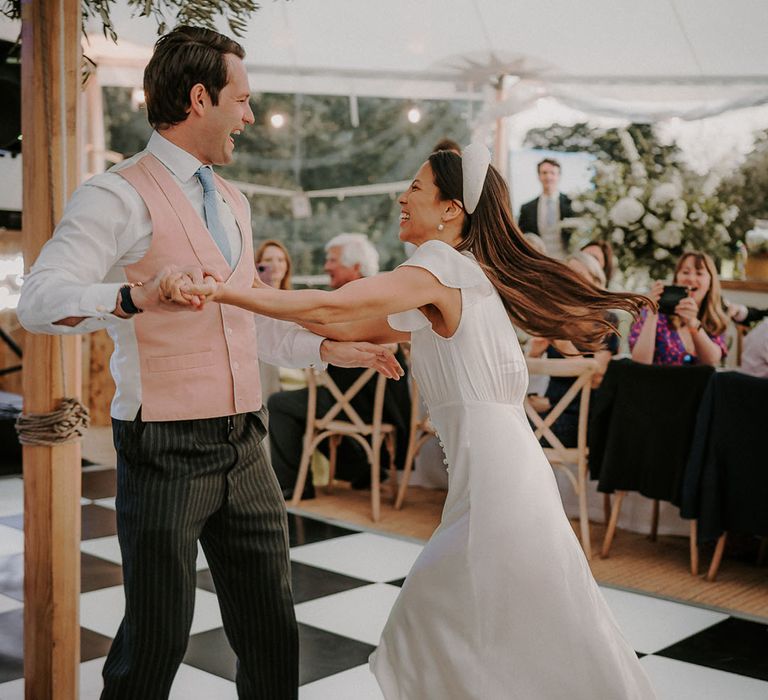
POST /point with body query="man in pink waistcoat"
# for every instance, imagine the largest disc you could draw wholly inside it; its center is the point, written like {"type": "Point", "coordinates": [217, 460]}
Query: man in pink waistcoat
{"type": "Point", "coordinates": [188, 420]}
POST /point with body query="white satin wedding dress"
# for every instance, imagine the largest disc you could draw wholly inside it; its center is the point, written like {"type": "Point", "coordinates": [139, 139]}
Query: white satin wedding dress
{"type": "Point", "coordinates": [501, 603]}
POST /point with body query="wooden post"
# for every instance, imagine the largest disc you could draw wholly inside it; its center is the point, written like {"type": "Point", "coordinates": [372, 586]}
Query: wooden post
{"type": "Point", "coordinates": [50, 87]}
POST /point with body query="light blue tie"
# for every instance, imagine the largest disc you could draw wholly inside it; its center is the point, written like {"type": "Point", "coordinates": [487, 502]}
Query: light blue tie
{"type": "Point", "coordinates": [211, 208]}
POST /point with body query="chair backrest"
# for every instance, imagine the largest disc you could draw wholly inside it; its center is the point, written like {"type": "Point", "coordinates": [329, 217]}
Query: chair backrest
{"type": "Point", "coordinates": [582, 369]}
{"type": "Point", "coordinates": [342, 409]}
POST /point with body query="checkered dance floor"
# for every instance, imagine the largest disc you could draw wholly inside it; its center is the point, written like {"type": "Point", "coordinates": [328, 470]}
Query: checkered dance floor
{"type": "Point", "coordinates": [345, 582]}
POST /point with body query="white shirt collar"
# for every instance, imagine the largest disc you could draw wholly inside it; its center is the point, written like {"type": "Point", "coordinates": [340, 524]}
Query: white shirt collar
{"type": "Point", "coordinates": [180, 162]}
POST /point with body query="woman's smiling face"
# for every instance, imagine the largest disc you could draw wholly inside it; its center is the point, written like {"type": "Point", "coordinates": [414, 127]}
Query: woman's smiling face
{"type": "Point", "coordinates": [697, 279]}
{"type": "Point", "coordinates": [420, 208]}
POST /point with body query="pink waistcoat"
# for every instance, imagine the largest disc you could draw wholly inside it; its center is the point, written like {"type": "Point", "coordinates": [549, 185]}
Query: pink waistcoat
{"type": "Point", "coordinates": [193, 364]}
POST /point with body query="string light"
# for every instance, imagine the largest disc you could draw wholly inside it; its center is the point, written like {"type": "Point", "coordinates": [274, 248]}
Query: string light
{"type": "Point", "coordinates": [277, 120]}
{"type": "Point", "coordinates": [414, 115]}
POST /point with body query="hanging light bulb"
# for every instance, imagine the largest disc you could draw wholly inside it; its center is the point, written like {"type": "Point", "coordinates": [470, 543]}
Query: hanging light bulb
{"type": "Point", "coordinates": [138, 99]}
{"type": "Point", "coordinates": [277, 120]}
{"type": "Point", "coordinates": [414, 115]}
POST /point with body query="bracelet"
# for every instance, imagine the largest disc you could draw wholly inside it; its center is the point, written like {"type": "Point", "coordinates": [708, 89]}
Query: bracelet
{"type": "Point", "coordinates": [126, 303]}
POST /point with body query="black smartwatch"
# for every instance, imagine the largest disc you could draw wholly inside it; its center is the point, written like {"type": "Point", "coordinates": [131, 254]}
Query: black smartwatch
{"type": "Point", "coordinates": [126, 303]}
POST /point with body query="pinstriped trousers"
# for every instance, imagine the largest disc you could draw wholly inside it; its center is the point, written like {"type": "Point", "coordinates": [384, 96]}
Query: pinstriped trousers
{"type": "Point", "coordinates": [209, 480]}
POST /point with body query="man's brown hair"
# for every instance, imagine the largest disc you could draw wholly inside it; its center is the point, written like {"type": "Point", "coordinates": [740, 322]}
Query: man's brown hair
{"type": "Point", "coordinates": [181, 59]}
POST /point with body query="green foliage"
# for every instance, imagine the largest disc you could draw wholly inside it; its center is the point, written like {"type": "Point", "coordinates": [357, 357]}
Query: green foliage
{"type": "Point", "coordinates": [201, 13]}
{"type": "Point", "coordinates": [318, 148]}
{"type": "Point", "coordinates": [747, 187]}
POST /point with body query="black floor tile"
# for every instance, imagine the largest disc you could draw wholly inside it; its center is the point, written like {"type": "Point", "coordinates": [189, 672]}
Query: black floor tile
{"type": "Point", "coordinates": [309, 582]}
{"type": "Point", "coordinates": [733, 645]}
{"type": "Point", "coordinates": [210, 651]}
{"type": "Point", "coordinates": [306, 530]}
{"type": "Point", "coordinates": [98, 522]}
{"type": "Point", "coordinates": [398, 582]}
{"type": "Point", "coordinates": [100, 484]}
{"type": "Point", "coordinates": [11, 645]}
{"type": "Point", "coordinates": [15, 521]}
{"type": "Point", "coordinates": [96, 573]}
{"type": "Point", "coordinates": [12, 576]}
{"type": "Point", "coordinates": [93, 645]}
{"type": "Point", "coordinates": [323, 653]}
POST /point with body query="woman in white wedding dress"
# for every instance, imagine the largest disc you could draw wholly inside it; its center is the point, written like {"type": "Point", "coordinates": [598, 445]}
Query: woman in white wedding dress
{"type": "Point", "coordinates": [501, 602]}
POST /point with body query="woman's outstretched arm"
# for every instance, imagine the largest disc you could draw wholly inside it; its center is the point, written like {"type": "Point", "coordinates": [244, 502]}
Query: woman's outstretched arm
{"type": "Point", "coordinates": [362, 300]}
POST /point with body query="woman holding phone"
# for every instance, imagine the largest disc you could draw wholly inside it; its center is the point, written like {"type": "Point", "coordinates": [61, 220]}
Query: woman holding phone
{"type": "Point", "coordinates": [273, 264]}
{"type": "Point", "coordinates": [687, 329]}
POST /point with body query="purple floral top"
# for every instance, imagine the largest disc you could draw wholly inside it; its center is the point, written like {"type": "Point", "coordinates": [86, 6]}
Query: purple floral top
{"type": "Point", "coordinates": [669, 348]}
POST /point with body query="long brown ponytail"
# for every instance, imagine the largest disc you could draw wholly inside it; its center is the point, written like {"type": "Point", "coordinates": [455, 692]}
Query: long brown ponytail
{"type": "Point", "coordinates": [543, 296]}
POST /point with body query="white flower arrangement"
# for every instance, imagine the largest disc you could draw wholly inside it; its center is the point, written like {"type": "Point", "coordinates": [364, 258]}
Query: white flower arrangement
{"type": "Point", "coordinates": [651, 223]}
{"type": "Point", "coordinates": [757, 239]}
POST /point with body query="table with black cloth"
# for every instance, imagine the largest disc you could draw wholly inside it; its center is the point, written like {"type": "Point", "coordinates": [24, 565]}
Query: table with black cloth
{"type": "Point", "coordinates": [641, 426]}
{"type": "Point", "coordinates": [726, 479]}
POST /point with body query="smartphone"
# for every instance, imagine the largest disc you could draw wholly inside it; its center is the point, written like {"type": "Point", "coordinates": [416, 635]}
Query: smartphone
{"type": "Point", "coordinates": [264, 271]}
{"type": "Point", "coordinates": [671, 296]}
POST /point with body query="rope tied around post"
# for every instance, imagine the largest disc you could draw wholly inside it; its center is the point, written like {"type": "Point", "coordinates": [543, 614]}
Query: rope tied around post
{"type": "Point", "coordinates": [66, 423]}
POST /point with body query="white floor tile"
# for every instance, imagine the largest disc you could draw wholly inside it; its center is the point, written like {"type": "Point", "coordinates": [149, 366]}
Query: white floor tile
{"type": "Point", "coordinates": [355, 684]}
{"type": "Point", "coordinates": [7, 604]}
{"type": "Point", "coordinates": [363, 555]}
{"type": "Point", "coordinates": [109, 548]}
{"type": "Point", "coordinates": [11, 541]}
{"type": "Point", "coordinates": [359, 614]}
{"type": "Point", "coordinates": [11, 496]}
{"type": "Point", "coordinates": [105, 502]}
{"type": "Point", "coordinates": [102, 611]}
{"type": "Point", "coordinates": [651, 624]}
{"type": "Point", "coordinates": [103, 547]}
{"type": "Point", "coordinates": [677, 680]}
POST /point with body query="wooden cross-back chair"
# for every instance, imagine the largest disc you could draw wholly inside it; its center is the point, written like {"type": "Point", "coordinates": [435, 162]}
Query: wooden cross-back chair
{"type": "Point", "coordinates": [342, 420]}
{"type": "Point", "coordinates": [572, 461]}
{"type": "Point", "coordinates": [421, 430]}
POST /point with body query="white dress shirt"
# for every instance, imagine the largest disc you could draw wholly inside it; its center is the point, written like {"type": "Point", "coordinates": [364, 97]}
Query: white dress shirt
{"type": "Point", "coordinates": [550, 232]}
{"type": "Point", "coordinates": [754, 354]}
{"type": "Point", "coordinates": [105, 227]}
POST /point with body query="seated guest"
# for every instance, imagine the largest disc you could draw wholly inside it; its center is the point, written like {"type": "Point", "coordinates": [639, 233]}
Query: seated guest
{"type": "Point", "coordinates": [274, 262]}
{"type": "Point", "coordinates": [603, 253]}
{"type": "Point", "coordinates": [744, 315]}
{"type": "Point", "coordinates": [754, 354]}
{"type": "Point", "coordinates": [567, 424]}
{"type": "Point", "coordinates": [693, 333]}
{"type": "Point", "coordinates": [349, 256]}
{"type": "Point", "coordinates": [273, 265]}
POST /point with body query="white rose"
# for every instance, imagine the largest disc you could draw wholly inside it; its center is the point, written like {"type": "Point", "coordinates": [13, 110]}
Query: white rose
{"type": "Point", "coordinates": [663, 194]}
{"type": "Point", "coordinates": [641, 237]}
{"type": "Point", "coordinates": [626, 211]}
{"type": "Point", "coordinates": [577, 206]}
{"type": "Point", "coordinates": [669, 235]}
{"type": "Point", "coordinates": [722, 233]}
{"type": "Point", "coordinates": [638, 170]}
{"type": "Point", "coordinates": [636, 192]}
{"type": "Point", "coordinates": [660, 253]}
{"type": "Point", "coordinates": [651, 222]}
{"type": "Point", "coordinates": [679, 210]}
{"type": "Point", "coordinates": [618, 236]}
{"type": "Point", "coordinates": [730, 214]}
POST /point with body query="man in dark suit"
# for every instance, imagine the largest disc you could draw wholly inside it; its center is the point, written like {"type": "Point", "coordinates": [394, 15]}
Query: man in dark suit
{"type": "Point", "coordinates": [349, 256]}
{"type": "Point", "coordinates": [544, 214]}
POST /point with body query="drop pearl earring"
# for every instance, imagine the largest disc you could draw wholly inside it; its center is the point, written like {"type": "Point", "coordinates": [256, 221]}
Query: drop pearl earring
{"type": "Point", "coordinates": [440, 226]}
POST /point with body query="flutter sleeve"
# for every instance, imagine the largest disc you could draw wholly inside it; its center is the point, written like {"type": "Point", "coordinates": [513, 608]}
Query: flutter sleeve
{"type": "Point", "coordinates": [452, 269]}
